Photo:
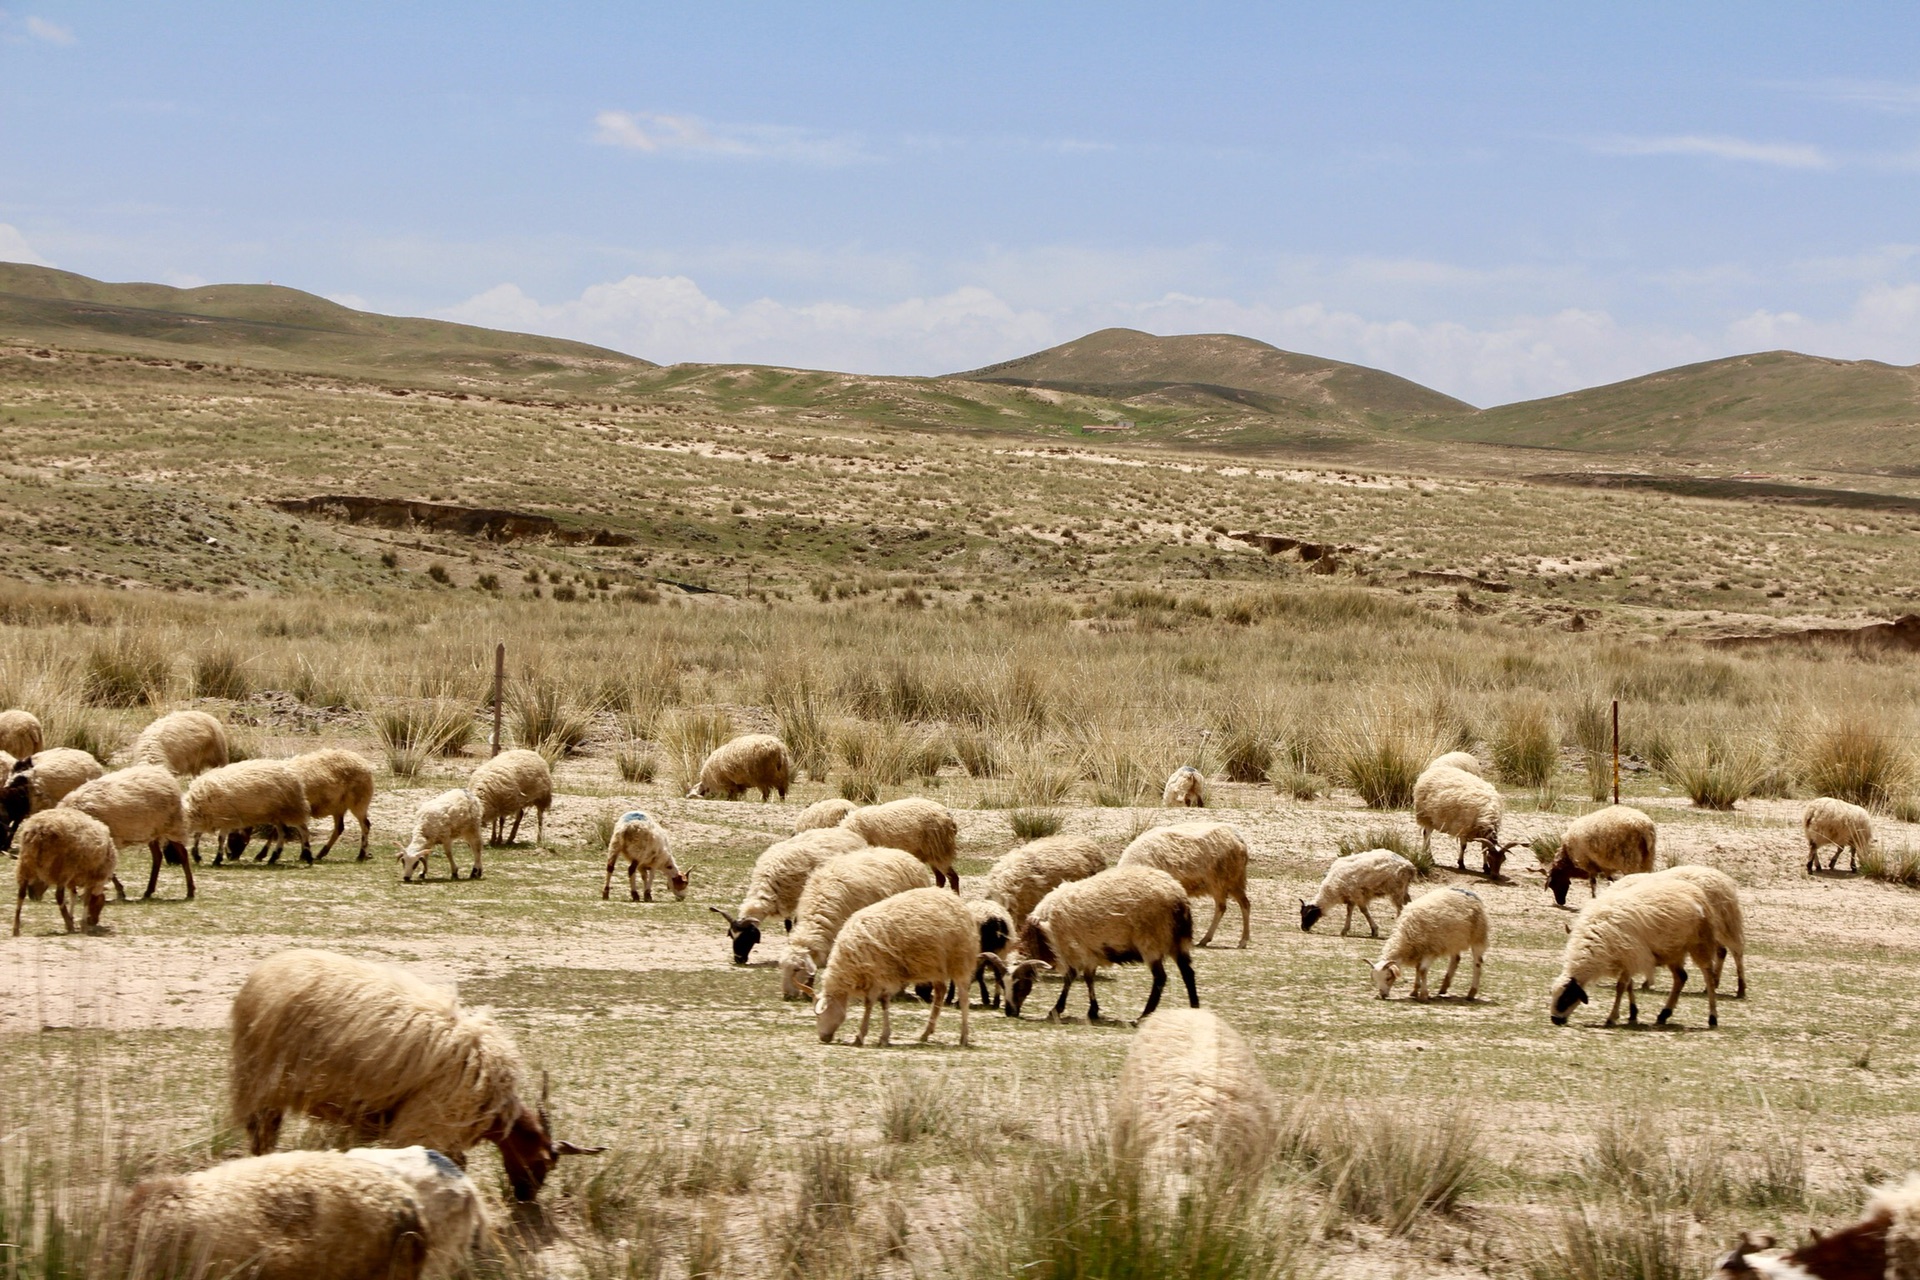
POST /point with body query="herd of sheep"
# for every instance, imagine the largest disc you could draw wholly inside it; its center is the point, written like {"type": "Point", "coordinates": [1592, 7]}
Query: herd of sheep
{"type": "Point", "coordinates": [869, 899]}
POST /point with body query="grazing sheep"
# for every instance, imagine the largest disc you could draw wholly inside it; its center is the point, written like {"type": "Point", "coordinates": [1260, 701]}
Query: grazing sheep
{"type": "Point", "coordinates": [1444, 922]}
{"type": "Point", "coordinates": [449, 817]}
{"type": "Point", "coordinates": [70, 851]}
{"type": "Point", "coordinates": [337, 783]}
{"type": "Point", "coordinates": [1191, 1101]}
{"type": "Point", "coordinates": [1023, 876]}
{"type": "Point", "coordinates": [1127, 915]}
{"type": "Point", "coordinates": [1209, 859]}
{"type": "Point", "coordinates": [1185, 788]}
{"type": "Point", "coordinates": [1723, 903]}
{"type": "Point", "coordinates": [184, 743]}
{"type": "Point", "coordinates": [836, 890]}
{"type": "Point", "coordinates": [387, 1057]}
{"type": "Point", "coordinates": [640, 840]}
{"type": "Point", "coordinates": [41, 781]}
{"type": "Point", "coordinates": [240, 797]}
{"type": "Point", "coordinates": [1463, 805]}
{"type": "Point", "coordinates": [922, 935]}
{"type": "Point", "coordinates": [20, 733]}
{"type": "Point", "coordinates": [1883, 1245]}
{"type": "Point", "coordinates": [1844, 826]}
{"type": "Point", "coordinates": [996, 944]}
{"type": "Point", "coordinates": [450, 1204]}
{"type": "Point", "coordinates": [779, 875]}
{"type": "Point", "coordinates": [1615, 841]}
{"type": "Point", "coordinates": [510, 783]}
{"type": "Point", "coordinates": [1355, 881]}
{"type": "Point", "coordinates": [753, 760]}
{"type": "Point", "coordinates": [924, 828]}
{"type": "Point", "coordinates": [140, 805]}
{"type": "Point", "coordinates": [1634, 928]}
{"type": "Point", "coordinates": [823, 813]}
{"type": "Point", "coordinates": [1463, 760]}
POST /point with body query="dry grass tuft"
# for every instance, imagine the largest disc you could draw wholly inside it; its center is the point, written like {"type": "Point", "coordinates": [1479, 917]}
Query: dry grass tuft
{"type": "Point", "coordinates": [130, 669]}
{"type": "Point", "coordinates": [1714, 769]}
{"type": "Point", "coordinates": [1857, 756]}
{"type": "Point", "coordinates": [688, 737]}
{"type": "Point", "coordinates": [1526, 744]}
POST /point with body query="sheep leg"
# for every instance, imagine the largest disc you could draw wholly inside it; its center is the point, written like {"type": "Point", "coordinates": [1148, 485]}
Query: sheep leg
{"type": "Point", "coordinates": [1246, 917]}
{"type": "Point", "coordinates": [606, 889]}
{"type": "Point", "coordinates": [539, 826]}
{"type": "Point", "coordinates": [153, 877]}
{"type": "Point", "coordinates": [980, 975]}
{"type": "Point", "coordinates": [187, 867]}
{"type": "Point", "coordinates": [965, 1005]}
{"type": "Point", "coordinates": [1620, 989]}
{"type": "Point", "coordinates": [1740, 974]}
{"type": "Point", "coordinates": [1184, 963]}
{"type": "Point", "coordinates": [1373, 930]}
{"type": "Point", "coordinates": [866, 1015]}
{"type": "Point", "coordinates": [1633, 1008]}
{"type": "Point", "coordinates": [339, 826]}
{"type": "Point", "coordinates": [1093, 998]}
{"type": "Point", "coordinates": [263, 1131]}
{"type": "Point", "coordinates": [1446, 979]}
{"type": "Point", "coordinates": [646, 879]}
{"type": "Point", "coordinates": [1219, 909]}
{"type": "Point", "coordinates": [453, 868]}
{"type": "Point", "coordinates": [886, 1020]}
{"type": "Point", "coordinates": [118, 887]}
{"type": "Point", "coordinates": [1713, 998]}
{"type": "Point", "coordinates": [941, 990]}
{"type": "Point", "coordinates": [306, 847]}
{"type": "Point", "coordinates": [1673, 996]}
{"type": "Point", "coordinates": [60, 900]}
{"type": "Point", "coordinates": [1833, 863]}
{"type": "Point", "coordinates": [475, 873]}
{"type": "Point", "coordinates": [1349, 924]}
{"type": "Point", "coordinates": [1473, 991]}
{"type": "Point", "coordinates": [1159, 968]}
{"type": "Point", "coordinates": [1462, 863]}
{"type": "Point", "coordinates": [518, 814]}
{"type": "Point", "coordinates": [365, 826]}
{"type": "Point", "coordinates": [278, 840]}
{"type": "Point", "coordinates": [1813, 857]}
{"type": "Point", "coordinates": [1060, 1005]}
{"type": "Point", "coordinates": [1420, 980]}
{"type": "Point", "coordinates": [19, 905]}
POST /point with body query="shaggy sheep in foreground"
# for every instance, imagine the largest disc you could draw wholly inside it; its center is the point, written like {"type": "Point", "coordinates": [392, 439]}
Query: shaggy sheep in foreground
{"type": "Point", "coordinates": [1443, 922]}
{"type": "Point", "coordinates": [922, 935]}
{"type": "Point", "coordinates": [752, 761]}
{"type": "Point", "coordinates": [1615, 841]}
{"type": "Point", "coordinates": [1883, 1245]}
{"type": "Point", "coordinates": [20, 733]}
{"type": "Point", "coordinates": [70, 851]}
{"type": "Point", "coordinates": [1209, 859]}
{"type": "Point", "coordinates": [1185, 788]}
{"type": "Point", "coordinates": [184, 743]}
{"type": "Point", "coordinates": [239, 797]}
{"type": "Point", "coordinates": [924, 828]}
{"type": "Point", "coordinates": [1355, 881]}
{"type": "Point", "coordinates": [1847, 827]}
{"type": "Point", "coordinates": [1023, 876]}
{"type": "Point", "coordinates": [779, 876]}
{"type": "Point", "coordinates": [642, 842]}
{"type": "Point", "coordinates": [510, 784]}
{"type": "Point", "coordinates": [41, 781]}
{"type": "Point", "coordinates": [449, 817]}
{"type": "Point", "coordinates": [1462, 805]}
{"type": "Point", "coordinates": [140, 805]}
{"type": "Point", "coordinates": [337, 783]}
{"type": "Point", "coordinates": [387, 1057]}
{"type": "Point", "coordinates": [822, 814]}
{"type": "Point", "coordinates": [1126, 915]}
{"type": "Point", "coordinates": [836, 890]}
{"type": "Point", "coordinates": [1632, 929]}
{"type": "Point", "coordinates": [1191, 1102]}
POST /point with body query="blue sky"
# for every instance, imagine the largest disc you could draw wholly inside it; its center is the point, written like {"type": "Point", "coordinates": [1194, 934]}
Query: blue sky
{"type": "Point", "coordinates": [1501, 201]}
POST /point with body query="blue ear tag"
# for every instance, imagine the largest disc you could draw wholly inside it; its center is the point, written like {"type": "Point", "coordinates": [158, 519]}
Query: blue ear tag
{"type": "Point", "coordinates": [633, 815]}
{"type": "Point", "coordinates": [445, 1167]}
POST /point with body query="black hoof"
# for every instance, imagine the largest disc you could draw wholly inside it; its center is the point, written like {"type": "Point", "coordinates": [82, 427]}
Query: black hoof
{"type": "Point", "coordinates": [474, 874]}
{"type": "Point", "coordinates": [1713, 1020]}
{"type": "Point", "coordinates": [1664, 1015]}
{"type": "Point", "coordinates": [365, 857]}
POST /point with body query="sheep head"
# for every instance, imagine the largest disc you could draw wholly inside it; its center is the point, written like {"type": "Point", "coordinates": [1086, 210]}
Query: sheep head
{"type": "Point", "coordinates": [1566, 993]}
{"type": "Point", "coordinates": [1384, 976]}
{"type": "Point", "coordinates": [528, 1152]}
{"type": "Point", "coordinates": [16, 802]}
{"type": "Point", "coordinates": [796, 975]}
{"type": "Point", "coordinates": [1496, 856]}
{"type": "Point", "coordinates": [1025, 974]}
{"type": "Point", "coordinates": [677, 881]}
{"type": "Point", "coordinates": [1560, 878]}
{"type": "Point", "coordinates": [828, 1013]}
{"type": "Point", "coordinates": [1309, 916]}
{"type": "Point", "coordinates": [745, 934]}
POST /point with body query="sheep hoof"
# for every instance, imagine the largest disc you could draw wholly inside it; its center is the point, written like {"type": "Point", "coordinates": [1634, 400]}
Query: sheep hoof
{"type": "Point", "coordinates": [606, 895]}
{"type": "Point", "coordinates": [474, 874]}
{"type": "Point", "coordinates": [1713, 1020]}
{"type": "Point", "coordinates": [364, 857]}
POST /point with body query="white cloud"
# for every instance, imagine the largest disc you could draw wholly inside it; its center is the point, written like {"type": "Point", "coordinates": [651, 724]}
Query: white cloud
{"type": "Point", "coordinates": [1789, 155]}
{"type": "Point", "coordinates": [14, 248]}
{"type": "Point", "coordinates": [1879, 95]}
{"type": "Point", "coordinates": [1883, 324]}
{"type": "Point", "coordinates": [51, 32]}
{"type": "Point", "coordinates": [654, 133]}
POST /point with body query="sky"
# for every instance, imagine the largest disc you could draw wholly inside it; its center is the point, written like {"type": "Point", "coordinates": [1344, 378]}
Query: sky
{"type": "Point", "coordinates": [1501, 201]}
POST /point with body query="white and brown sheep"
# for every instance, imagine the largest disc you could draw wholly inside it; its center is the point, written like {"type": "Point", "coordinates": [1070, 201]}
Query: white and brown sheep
{"type": "Point", "coordinates": [746, 763]}
{"type": "Point", "coordinates": [337, 783]}
{"type": "Point", "coordinates": [1355, 881]}
{"type": "Point", "coordinates": [920, 936]}
{"type": "Point", "coordinates": [385, 1056]}
{"type": "Point", "coordinates": [924, 828]}
{"type": "Point", "coordinates": [1128, 915]}
{"type": "Point", "coordinates": [41, 781]}
{"type": "Point", "coordinates": [1443, 922]}
{"type": "Point", "coordinates": [1847, 827]}
{"type": "Point", "coordinates": [1186, 788]}
{"type": "Point", "coordinates": [20, 733]}
{"type": "Point", "coordinates": [1615, 841]}
{"type": "Point", "coordinates": [645, 846]}
{"type": "Point", "coordinates": [837, 889]}
{"type": "Point", "coordinates": [1628, 932]}
{"type": "Point", "coordinates": [1191, 1101]}
{"type": "Point", "coordinates": [184, 743]}
{"type": "Point", "coordinates": [822, 814]}
{"type": "Point", "coordinates": [1024, 875]}
{"type": "Point", "coordinates": [1463, 805]}
{"type": "Point", "coordinates": [1209, 859]}
{"type": "Point", "coordinates": [779, 875]}
{"type": "Point", "coordinates": [141, 805]}
{"type": "Point", "coordinates": [251, 793]}
{"type": "Point", "coordinates": [507, 786]}
{"type": "Point", "coordinates": [449, 817]}
{"type": "Point", "coordinates": [1883, 1245]}
{"type": "Point", "coordinates": [73, 853]}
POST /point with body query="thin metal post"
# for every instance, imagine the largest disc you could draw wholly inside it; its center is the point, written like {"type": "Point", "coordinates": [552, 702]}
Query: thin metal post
{"type": "Point", "coordinates": [1616, 751]}
{"type": "Point", "coordinates": [500, 680]}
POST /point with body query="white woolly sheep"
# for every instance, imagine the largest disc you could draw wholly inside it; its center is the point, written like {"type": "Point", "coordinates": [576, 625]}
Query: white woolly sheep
{"type": "Point", "coordinates": [822, 814]}
{"type": "Point", "coordinates": [385, 1056]}
{"type": "Point", "coordinates": [20, 733]}
{"type": "Point", "coordinates": [642, 842]}
{"type": "Point", "coordinates": [450, 1204]}
{"type": "Point", "coordinates": [1443, 922]}
{"type": "Point", "coordinates": [1023, 876]}
{"type": "Point", "coordinates": [1126, 915]}
{"type": "Point", "coordinates": [449, 817]}
{"type": "Point", "coordinates": [1462, 805]}
{"type": "Point", "coordinates": [1191, 1101]}
{"type": "Point", "coordinates": [1632, 929]}
{"type": "Point", "coordinates": [1464, 760]}
{"type": "Point", "coordinates": [1615, 841]}
{"type": "Point", "coordinates": [924, 828]}
{"type": "Point", "coordinates": [779, 875]}
{"type": "Point", "coordinates": [1723, 904]}
{"type": "Point", "coordinates": [1844, 826]}
{"type": "Point", "coordinates": [41, 781]}
{"type": "Point", "coordinates": [140, 805]}
{"type": "Point", "coordinates": [1185, 788]}
{"type": "Point", "coordinates": [70, 851]}
{"type": "Point", "coordinates": [337, 783]}
{"type": "Point", "coordinates": [510, 784]}
{"type": "Point", "coordinates": [252, 793]}
{"type": "Point", "coordinates": [184, 743]}
{"type": "Point", "coordinates": [837, 889]}
{"type": "Point", "coordinates": [1209, 859]}
{"type": "Point", "coordinates": [753, 760]}
{"type": "Point", "coordinates": [1883, 1245]}
{"type": "Point", "coordinates": [1355, 881]}
{"type": "Point", "coordinates": [922, 935]}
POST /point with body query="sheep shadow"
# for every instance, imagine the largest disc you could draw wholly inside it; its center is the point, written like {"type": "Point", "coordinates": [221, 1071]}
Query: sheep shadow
{"type": "Point", "coordinates": [1833, 873]}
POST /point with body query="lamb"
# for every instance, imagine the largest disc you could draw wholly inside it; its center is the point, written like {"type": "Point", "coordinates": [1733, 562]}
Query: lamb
{"type": "Point", "coordinates": [41, 781]}
{"type": "Point", "coordinates": [1355, 881]}
{"type": "Point", "coordinates": [995, 927]}
{"type": "Point", "coordinates": [239, 797]}
{"type": "Point", "coordinates": [1130, 914]}
{"type": "Point", "coordinates": [448, 817]}
{"type": "Point", "coordinates": [184, 743]}
{"type": "Point", "coordinates": [20, 733]}
{"type": "Point", "coordinates": [389, 1058]}
{"type": "Point", "coordinates": [1615, 841]}
{"type": "Point", "coordinates": [823, 813]}
{"type": "Point", "coordinates": [922, 827]}
{"type": "Point", "coordinates": [450, 1204]}
{"type": "Point", "coordinates": [70, 851]}
{"type": "Point", "coordinates": [140, 805]}
{"type": "Point", "coordinates": [779, 875]}
{"type": "Point", "coordinates": [640, 840]}
{"type": "Point", "coordinates": [922, 935]}
{"type": "Point", "coordinates": [1660, 921]}
{"type": "Point", "coordinates": [1209, 859]}
{"type": "Point", "coordinates": [1023, 876]}
{"type": "Point", "coordinates": [753, 760]}
{"type": "Point", "coordinates": [1842, 825]}
{"type": "Point", "coordinates": [510, 783]}
{"type": "Point", "coordinates": [1444, 922]}
{"type": "Point", "coordinates": [1186, 788]}
{"type": "Point", "coordinates": [1191, 1101]}
{"type": "Point", "coordinates": [835, 891]}
{"type": "Point", "coordinates": [1463, 760]}
{"type": "Point", "coordinates": [1883, 1245]}
{"type": "Point", "coordinates": [1463, 805]}
{"type": "Point", "coordinates": [337, 783]}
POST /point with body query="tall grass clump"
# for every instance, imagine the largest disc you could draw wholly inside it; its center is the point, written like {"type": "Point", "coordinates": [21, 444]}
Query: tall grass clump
{"type": "Point", "coordinates": [916, 1104]}
{"type": "Point", "coordinates": [1525, 744]}
{"type": "Point", "coordinates": [130, 669]}
{"type": "Point", "coordinates": [1381, 751]}
{"type": "Point", "coordinates": [635, 761]}
{"type": "Point", "coordinates": [802, 723]}
{"type": "Point", "coordinates": [688, 737]}
{"type": "Point", "coordinates": [1890, 864]}
{"type": "Point", "coordinates": [977, 750]}
{"type": "Point", "coordinates": [1395, 839]}
{"type": "Point", "coordinates": [1118, 760]}
{"type": "Point", "coordinates": [1590, 726]}
{"type": "Point", "coordinates": [101, 734]}
{"type": "Point", "coordinates": [1030, 778]}
{"type": "Point", "coordinates": [1245, 742]}
{"type": "Point", "coordinates": [1035, 824]}
{"type": "Point", "coordinates": [1634, 1241]}
{"type": "Point", "coordinates": [817, 1236]}
{"type": "Point", "coordinates": [413, 730]}
{"type": "Point", "coordinates": [1387, 1167]}
{"type": "Point", "coordinates": [1715, 770]}
{"type": "Point", "coordinates": [546, 720]}
{"type": "Point", "coordinates": [220, 673]}
{"type": "Point", "coordinates": [1856, 756]}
